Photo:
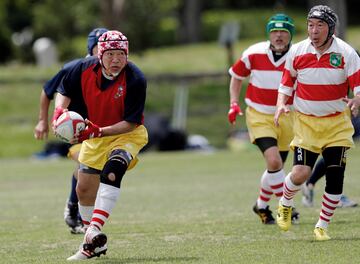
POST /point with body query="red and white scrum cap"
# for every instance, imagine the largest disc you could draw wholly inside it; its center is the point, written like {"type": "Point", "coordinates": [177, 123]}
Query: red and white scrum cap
{"type": "Point", "coordinates": [112, 40]}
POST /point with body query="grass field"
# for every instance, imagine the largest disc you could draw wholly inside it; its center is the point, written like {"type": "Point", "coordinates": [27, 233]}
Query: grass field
{"type": "Point", "coordinates": [174, 208]}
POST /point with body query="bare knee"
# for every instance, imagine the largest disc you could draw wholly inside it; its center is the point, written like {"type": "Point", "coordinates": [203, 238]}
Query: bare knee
{"type": "Point", "coordinates": [273, 159]}
{"type": "Point", "coordinates": [300, 173]}
{"type": "Point", "coordinates": [82, 189]}
{"type": "Point", "coordinates": [274, 163]}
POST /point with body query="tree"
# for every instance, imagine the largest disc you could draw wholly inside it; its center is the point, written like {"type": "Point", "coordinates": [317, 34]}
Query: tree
{"type": "Point", "coordinates": [112, 12]}
{"type": "Point", "coordinates": [190, 21]}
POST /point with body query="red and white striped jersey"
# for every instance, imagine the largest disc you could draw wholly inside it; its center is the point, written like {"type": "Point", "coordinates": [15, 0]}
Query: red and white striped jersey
{"type": "Point", "coordinates": [265, 75]}
{"type": "Point", "coordinates": [321, 80]}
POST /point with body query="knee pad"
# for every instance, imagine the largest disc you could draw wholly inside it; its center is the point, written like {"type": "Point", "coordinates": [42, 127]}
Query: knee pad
{"type": "Point", "coordinates": [334, 179]}
{"type": "Point", "coordinates": [335, 160]}
{"type": "Point", "coordinates": [115, 168]}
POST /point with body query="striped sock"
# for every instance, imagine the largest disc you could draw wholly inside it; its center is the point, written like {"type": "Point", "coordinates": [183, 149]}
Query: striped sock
{"type": "Point", "coordinates": [328, 206]}
{"type": "Point", "coordinates": [289, 191]}
{"type": "Point", "coordinates": [265, 192]}
{"type": "Point", "coordinates": [276, 182]}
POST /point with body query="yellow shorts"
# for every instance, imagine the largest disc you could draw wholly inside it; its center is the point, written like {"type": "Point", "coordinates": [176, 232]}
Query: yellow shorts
{"type": "Point", "coordinates": [74, 150]}
{"type": "Point", "coordinates": [316, 133]}
{"type": "Point", "coordinates": [262, 125]}
{"type": "Point", "coordinates": [95, 152]}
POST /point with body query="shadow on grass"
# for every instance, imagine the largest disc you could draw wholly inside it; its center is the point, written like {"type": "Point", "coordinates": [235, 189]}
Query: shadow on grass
{"type": "Point", "coordinates": [149, 259]}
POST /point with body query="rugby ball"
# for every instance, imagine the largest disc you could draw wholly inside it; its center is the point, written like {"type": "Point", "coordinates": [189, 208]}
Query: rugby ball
{"type": "Point", "coordinates": [68, 124]}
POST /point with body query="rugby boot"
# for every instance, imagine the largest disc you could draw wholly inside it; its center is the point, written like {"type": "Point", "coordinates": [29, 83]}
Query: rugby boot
{"type": "Point", "coordinates": [82, 254]}
{"type": "Point", "coordinates": [283, 218]}
{"type": "Point", "coordinates": [321, 234]}
{"type": "Point", "coordinates": [73, 219]}
{"type": "Point", "coordinates": [264, 214]}
{"type": "Point", "coordinates": [295, 216]}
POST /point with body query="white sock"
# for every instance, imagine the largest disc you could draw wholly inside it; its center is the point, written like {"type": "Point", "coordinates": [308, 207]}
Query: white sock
{"type": "Point", "coordinates": [86, 214]}
{"type": "Point", "coordinates": [105, 201]}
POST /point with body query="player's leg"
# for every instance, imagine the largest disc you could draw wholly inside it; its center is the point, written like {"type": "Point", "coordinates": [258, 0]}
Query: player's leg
{"type": "Point", "coordinates": [109, 189]}
{"type": "Point", "coordinates": [346, 202]}
{"type": "Point", "coordinates": [107, 196]}
{"type": "Point", "coordinates": [94, 243]}
{"type": "Point", "coordinates": [308, 187]}
{"type": "Point", "coordinates": [318, 172]}
{"type": "Point", "coordinates": [271, 180]}
{"type": "Point", "coordinates": [87, 187]}
{"type": "Point", "coordinates": [274, 164]}
{"type": "Point", "coordinates": [261, 207]}
{"type": "Point", "coordinates": [292, 184]}
{"type": "Point", "coordinates": [71, 211]}
{"type": "Point", "coordinates": [335, 160]}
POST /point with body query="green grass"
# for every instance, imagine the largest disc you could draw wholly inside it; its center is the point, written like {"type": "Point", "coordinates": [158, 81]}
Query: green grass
{"type": "Point", "coordinates": [173, 208]}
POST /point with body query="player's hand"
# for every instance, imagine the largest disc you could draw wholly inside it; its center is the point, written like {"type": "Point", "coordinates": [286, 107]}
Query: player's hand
{"type": "Point", "coordinates": [91, 131]}
{"type": "Point", "coordinates": [279, 111]}
{"type": "Point", "coordinates": [58, 111]}
{"type": "Point", "coordinates": [41, 130]}
{"type": "Point", "coordinates": [234, 111]}
{"type": "Point", "coordinates": [353, 104]}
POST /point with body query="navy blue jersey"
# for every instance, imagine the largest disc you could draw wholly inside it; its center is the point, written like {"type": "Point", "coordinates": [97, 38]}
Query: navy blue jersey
{"type": "Point", "coordinates": [107, 101]}
{"type": "Point", "coordinates": [51, 87]}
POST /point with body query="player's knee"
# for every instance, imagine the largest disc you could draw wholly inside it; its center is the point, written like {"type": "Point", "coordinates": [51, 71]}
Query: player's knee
{"type": "Point", "coordinates": [300, 174]}
{"type": "Point", "coordinates": [115, 168]}
{"type": "Point", "coordinates": [88, 180]}
{"type": "Point", "coordinates": [82, 188]}
{"type": "Point", "coordinates": [274, 163]}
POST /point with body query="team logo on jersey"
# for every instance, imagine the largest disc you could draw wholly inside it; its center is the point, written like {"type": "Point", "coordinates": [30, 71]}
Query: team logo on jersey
{"type": "Point", "coordinates": [119, 92]}
{"type": "Point", "coordinates": [335, 59]}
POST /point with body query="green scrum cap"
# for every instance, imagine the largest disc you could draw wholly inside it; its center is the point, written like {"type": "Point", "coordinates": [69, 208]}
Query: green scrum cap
{"type": "Point", "coordinates": [281, 22]}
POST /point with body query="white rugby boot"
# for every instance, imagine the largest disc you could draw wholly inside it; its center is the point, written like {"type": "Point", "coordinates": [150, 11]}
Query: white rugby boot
{"type": "Point", "coordinates": [94, 245]}
{"type": "Point", "coordinates": [82, 254]}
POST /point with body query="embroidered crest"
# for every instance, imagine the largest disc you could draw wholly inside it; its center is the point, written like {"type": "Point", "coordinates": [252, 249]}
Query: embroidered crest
{"type": "Point", "coordinates": [119, 92]}
{"type": "Point", "coordinates": [335, 59]}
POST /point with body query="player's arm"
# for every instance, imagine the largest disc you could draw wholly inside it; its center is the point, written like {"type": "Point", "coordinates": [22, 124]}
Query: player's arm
{"type": "Point", "coordinates": [286, 88]}
{"type": "Point", "coordinates": [353, 104]}
{"type": "Point", "coordinates": [41, 130]}
{"type": "Point", "coordinates": [354, 83]}
{"type": "Point", "coordinates": [70, 82]}
{"type": "Point", "coordinates": [62, 101]}
{"type": "Point", "coordinates": [118, 128]}
{"type": "Point", "coordinates": [234, 91]}
{"type": "Point", "coordinates": [281, 107]}
{"type": "Point", "coordinates": [61, 104]}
